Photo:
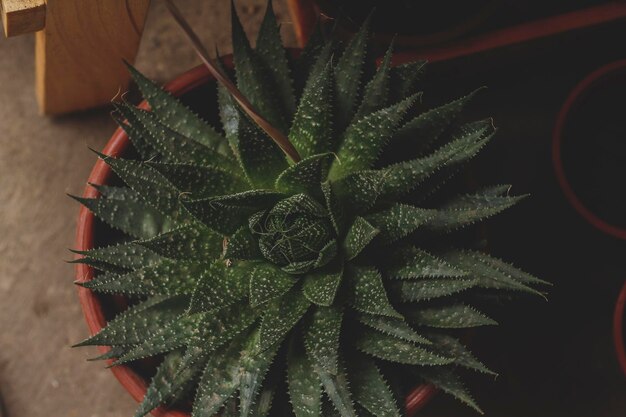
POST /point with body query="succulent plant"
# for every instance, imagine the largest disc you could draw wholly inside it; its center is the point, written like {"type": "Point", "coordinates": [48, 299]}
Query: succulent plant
{"type": "Point", "coordinates": [263, 279]}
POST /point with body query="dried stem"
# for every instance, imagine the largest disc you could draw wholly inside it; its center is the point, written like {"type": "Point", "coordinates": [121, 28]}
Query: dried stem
{"type": "Point", "coordinates": [281, 140]}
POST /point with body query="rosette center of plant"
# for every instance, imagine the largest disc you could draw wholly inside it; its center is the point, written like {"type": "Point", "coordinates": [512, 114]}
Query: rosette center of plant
{"type": "Point", "coordinates": [295, 234]}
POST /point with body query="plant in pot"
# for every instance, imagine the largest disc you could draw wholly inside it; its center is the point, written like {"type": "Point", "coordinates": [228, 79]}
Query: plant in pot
{"type": "Point", "coordinates": [303, 260]}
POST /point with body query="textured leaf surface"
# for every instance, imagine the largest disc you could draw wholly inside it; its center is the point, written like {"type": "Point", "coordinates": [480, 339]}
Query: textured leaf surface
{"type": "Point", "coordinates": [134, 218]}
{"type": "Point", "coordinates": [269, 48]}
{"type": "Point", "coordinates": [359, 191]}
{"type": "Point", "coordinates": [168, 277]}
{"type": "Point", "coordinates": [149, 184]}
{"type": "Point", "coordinates": [455, 316]}
{"type": "Point", "coordinates": [125, 255]}
{"type": "Point", "coordinates": [312, 127]}
{"type": "Point", "coordinates": [412, 262]}
{"type": "Point", "coordinates": [320, 286]}
{"type": "Point", "coordinates": [348, 76]}
{"type": "Point", "coordinates": [226, 214]}
{"type": "Point", "coordinates": [169, 337]}
{"type": "Point", "coordinates": [368, 292]}
{"type": "Point", "coordinates": [429, 288]}
{"type": "Point", "coordinates": [139, 321]}
{"type": "Point", "coordinates": [468, 209]}
{"type": "Point", "coordinates": [169, 381]}
{"type": "Point", "coordinates": [174, 114]}
{"type": "Point", "coordinates": [322, 337]}
{"type": "Point", "coordinates": [305, 390]}
{"type": "Point", "coordinates": [201, 181]}
{"type": "Point", "coordinates": [175, 147]}
{"type": "Point", "coordinates": [450, 383]}
{"type": "Point", "coordinates": [254, 366]}
{"type": "Point", "coordinates": [359, 235]}
{"type": "Point", "coordinates": [371, 390]}
{"type": "Point", "coordinates": [281, 316]}
{"type": "Point", "coordinates": [267, 282]}
{"type": "Point", "coordinates": [364, 140]}
{"type": "Point", "coordinates": [218, 286]}
{"type": "Point", "coordinates": [392, 349]}
{"type": "Point", "coordinates": [220, 380]}
{"type": "Point", "coordinates": [261, 159]}
{"type": "Point", "coordinates": [393, 327]}
{"type": "Point", "coordinates": [337, 389]}
{"type": "Point", "coordinates": [242, 245]}
{"type": "Point", "coordinates": [193, 242]}
{"type": "Point", "coordinates": [451, 347]}
{"type": "Point", "coordinates": [399, 221]}
{"type": "Point", "coordinates": [376, 92]}
{"type": "Point", "coordinates": [405, 77]}
{"type": "Point", "coordinates": [254, 79]}
{"type": "Point", "coordinates": [486, 275]}
{"type": "Point", "coordinates": [403, 177]}
{"type": "Point", "coordinates": [133, 130]}
{"type": "Point", "coordinates": [306, 176]}
{"type": "Point", "coordinates": [427, 128]}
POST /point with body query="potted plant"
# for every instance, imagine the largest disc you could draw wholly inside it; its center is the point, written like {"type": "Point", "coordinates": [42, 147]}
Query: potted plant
{"type": "Point", "coordinates": [307, 247]}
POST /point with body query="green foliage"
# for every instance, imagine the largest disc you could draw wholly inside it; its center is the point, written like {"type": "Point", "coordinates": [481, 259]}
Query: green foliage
{"type": "Point", "coordinates": [240, 264]}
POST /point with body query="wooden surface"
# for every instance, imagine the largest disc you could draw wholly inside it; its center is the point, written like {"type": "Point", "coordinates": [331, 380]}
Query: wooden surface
{"type": "Point", "coordinates": [22, 16]}
{"type": "Point", "coordinates": [80, 53]}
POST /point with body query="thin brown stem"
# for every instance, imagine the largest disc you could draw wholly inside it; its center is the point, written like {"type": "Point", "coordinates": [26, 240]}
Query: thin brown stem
{"type": "Point", "coordinates": [281, 140]}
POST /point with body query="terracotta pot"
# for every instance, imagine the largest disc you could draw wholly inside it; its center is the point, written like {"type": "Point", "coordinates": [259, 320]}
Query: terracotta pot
{"type": "Point", "coordinates": [568, 124]}
{"type": "Point", "coordinates": [93, 306]}
{"type": "Point", "coordinates": [618, 329]}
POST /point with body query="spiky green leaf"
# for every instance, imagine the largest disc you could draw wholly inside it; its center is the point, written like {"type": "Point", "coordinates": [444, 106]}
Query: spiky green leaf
{"type": "Point", "coordinates": [312, 127]}
{"type": "Point", "coordinates": [305, 390]}
{"type": "Point", "coordinates": [368, 293]}
{"type": "Point", "coordinates": [358, 237]}
{"type": "Point", "coordinates": [393, 327]}
{"type": "Point", "coordinates": [454, 316]}
{"type": "Point", "coordinates": [364, 140]}
{"type": "Point", "coordinates": [174, 114]}
{"type": "Point", "coordinates": [281, 316]}
{"type": "Point", "coordinates": [132, 217]}
{"type": "Point", "coordinates": [392, 349]}
{"type": "Point", "coordinates": [371, 390]}
{"type": "Point", "coordinates": [450, 383]}
{"type": "Point", "coordinates": [322, 337]}
{"type": "Point", "coordinates": [193, 242]}
{"type": "Point", "coordinates": [271, 52]}
{"type": "Point", "coordinates": [306, 176]}
{"type": "Point", "coordinates": [226, 214]}
{"type": "Point", "coordinates": [267, 282]}
{"type": "Point", "coordinates": [399, 221]}
{"type": "Point", "coordinates": [320, 286]}
{"type": "Point", "coordinates": [411, 262]}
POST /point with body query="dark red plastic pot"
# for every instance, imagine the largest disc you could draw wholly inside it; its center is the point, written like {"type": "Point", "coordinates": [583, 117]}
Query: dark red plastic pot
{"type": "Point", "coordinates": [618, 329]}
{"type": "Point", "coordinates": [567, 117]}
{"type": "Point", "coordinates": [93, 306]}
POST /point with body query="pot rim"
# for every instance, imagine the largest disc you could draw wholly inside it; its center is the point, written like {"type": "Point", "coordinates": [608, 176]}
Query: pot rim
{"type": "Point", "coordinates": [557, 142]}
{"type": "Point", "coordinates": [92, 306]}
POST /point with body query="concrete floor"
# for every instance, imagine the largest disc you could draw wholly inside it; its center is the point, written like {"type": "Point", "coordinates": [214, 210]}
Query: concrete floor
{"type": "Point", "coordinates": [42, 159]}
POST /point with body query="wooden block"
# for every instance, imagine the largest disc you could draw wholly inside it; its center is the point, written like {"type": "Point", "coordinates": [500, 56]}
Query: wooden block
{"type": "Point", "coordinates": [22, 16]}
{"type": "Point", "coordinates": [79, 55]}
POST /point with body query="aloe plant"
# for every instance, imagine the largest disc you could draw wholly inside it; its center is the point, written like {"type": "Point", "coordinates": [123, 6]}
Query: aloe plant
{"type": "Point", "coordinates": [263, 279]}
